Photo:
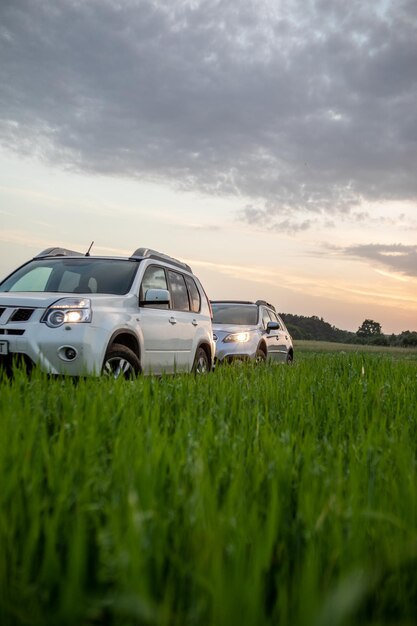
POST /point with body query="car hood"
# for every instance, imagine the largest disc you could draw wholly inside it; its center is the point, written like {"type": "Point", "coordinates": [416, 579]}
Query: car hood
{"type": "Point", "coordinates": [37, 300]}
{"type": "Point", "coordinates": [29, 299]}
{"type": "Point", "coordinates": [234, 328]}
{"type": "Point", "coordinates": [221, 330]}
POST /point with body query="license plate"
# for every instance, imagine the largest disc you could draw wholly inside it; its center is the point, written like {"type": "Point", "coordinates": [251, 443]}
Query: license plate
{"type": "Point", "coordinates": [4, 347]}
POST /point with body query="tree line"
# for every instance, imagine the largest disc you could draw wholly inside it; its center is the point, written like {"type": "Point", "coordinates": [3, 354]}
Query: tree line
{"type": "Point", "coordinates": [370, 332]}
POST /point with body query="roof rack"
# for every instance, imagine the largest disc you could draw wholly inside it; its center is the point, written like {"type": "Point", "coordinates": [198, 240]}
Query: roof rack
{"type": "Point", "coordinates": [265, 303]}
{"type": "Point", "coordinates": [57, 252]}
{"type": "Point", "coordinates": [148, 253]}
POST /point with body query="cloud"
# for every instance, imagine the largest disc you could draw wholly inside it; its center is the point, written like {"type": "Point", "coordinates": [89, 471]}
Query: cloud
{"type": "Point", "coordinates": [300, 108]}
{"type": "Point", "coordinates": [397, 258]}
{"type": "Point", "coordinates": [263, 219]}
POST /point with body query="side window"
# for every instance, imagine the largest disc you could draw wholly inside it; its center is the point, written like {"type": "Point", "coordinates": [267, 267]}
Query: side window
{"type": "Point", "coordinates": [179, 294]}
{"type": "Point", "coordinates": [265, 318]}
{"type": "Point", "coordinates": [275, 318]}
{"type": "Point", "coordinates": [281, 323]}
{"type": "Point", "coordinates": [195, 299]}
{"type": "Point", "coordinates": [153, 278]}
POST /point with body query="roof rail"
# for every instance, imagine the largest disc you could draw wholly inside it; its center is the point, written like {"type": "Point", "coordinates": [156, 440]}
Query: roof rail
{"type": "Point", "coordinates": [265, 303]}
{"type": "Point", "coordinates": [148, 253]}
{"type": "Point", "coordinates": [57, 252]}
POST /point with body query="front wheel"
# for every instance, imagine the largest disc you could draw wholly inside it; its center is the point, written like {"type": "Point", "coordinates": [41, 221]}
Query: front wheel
{"type": "Point", "coordinates": [201, 362]}
{"type": "Point", "coordinates": [260, 356]}
{"type": "Point", "coordinates": [121, 362]}
{"type": "Point", "coordinates": [290, 358]}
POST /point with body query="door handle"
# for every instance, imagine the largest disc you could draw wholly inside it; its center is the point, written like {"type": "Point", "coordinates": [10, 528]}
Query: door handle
{"type": "Point", "coordinates": [172, 320]}
{"type": "Point", "coordinates": [194, 323]}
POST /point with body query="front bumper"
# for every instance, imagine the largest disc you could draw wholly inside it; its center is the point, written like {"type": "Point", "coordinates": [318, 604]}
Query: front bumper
{"type": "Point", "coordinates": [48, 348]}
{"type": "Point", "coordinates": [235, 351]}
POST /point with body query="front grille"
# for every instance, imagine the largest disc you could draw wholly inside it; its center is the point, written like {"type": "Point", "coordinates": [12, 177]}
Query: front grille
{"type": "Point", "coordinates": [11, 331]}
{"type": "Point", "coordinates": [21, 315]}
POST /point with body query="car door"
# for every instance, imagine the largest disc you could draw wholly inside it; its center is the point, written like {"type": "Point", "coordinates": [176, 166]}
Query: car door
{"type": "Point", "coordinates": [160, 335]}
{"type": "Point", "coordinates": [282, 338]}
{"type": "Point", "coordinates": [183, 319]}
{"type": "Point", "coordinates": [271, 336]}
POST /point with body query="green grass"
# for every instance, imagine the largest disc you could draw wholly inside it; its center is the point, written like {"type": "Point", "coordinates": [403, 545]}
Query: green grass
{"type": "Point", "coordinates": [306, 345]}
{"type": "Point", "coordinates": [252, 496]}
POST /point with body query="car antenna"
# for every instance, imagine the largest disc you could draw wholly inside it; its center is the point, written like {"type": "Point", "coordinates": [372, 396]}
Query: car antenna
{"type": "Point", "coordinates": [88, 251]}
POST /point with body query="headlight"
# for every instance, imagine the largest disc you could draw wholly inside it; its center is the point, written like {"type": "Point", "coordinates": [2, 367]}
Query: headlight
{"type": "Point", "coordinates": [238, 337]}
{"type": "Point", "coordinates": [68, 311]}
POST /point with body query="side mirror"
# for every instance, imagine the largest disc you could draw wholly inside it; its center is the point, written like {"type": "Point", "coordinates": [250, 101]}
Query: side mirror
{"type": "Point", "coordinates": [156, 297]}
{"type": "Point", "coordinates": [272, 326]}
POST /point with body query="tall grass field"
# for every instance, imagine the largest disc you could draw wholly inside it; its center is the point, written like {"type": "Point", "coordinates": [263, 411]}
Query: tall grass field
{"type": "Point", "coordinates": [251, 496]}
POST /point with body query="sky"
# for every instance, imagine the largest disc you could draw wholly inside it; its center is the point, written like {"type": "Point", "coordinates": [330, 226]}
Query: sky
{"type": "Point", "coordinates": [271, 144]}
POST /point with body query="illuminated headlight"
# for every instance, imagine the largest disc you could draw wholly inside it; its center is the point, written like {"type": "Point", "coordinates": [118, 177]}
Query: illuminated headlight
{"type": "Point", "coordinates": [68, 311]}
{"type": "Point", "coordinates": [236, 337]}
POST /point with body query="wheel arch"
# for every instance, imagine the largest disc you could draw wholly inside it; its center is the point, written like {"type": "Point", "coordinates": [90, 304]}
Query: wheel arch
{"type": "Point", "coordinates": [262, 346]}
{"type": "Point", "coordinates": [125, 338]}
{"type": "Point", "coordinates": [207, 349]}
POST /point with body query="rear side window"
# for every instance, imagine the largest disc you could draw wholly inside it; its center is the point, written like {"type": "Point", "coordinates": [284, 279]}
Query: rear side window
{"type": "Point", "coordinates": [179, 294]}
{"type": "Point", "coordinates": [195, 299]}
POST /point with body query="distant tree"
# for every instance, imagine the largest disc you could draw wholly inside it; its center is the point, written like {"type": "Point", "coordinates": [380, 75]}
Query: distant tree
{"type": "Point", "coordinates": [393, 340]}
{"type": "Point", "coordinates": [314, 327]}
{"type": "Point", "coordinates": [370, 332]}
{"type": "Point", "coordinates": [369, 328]}
{"type": "Point", "coordinates": [378, 340]}
{"type": "Point", "coordinates": [408, 339]}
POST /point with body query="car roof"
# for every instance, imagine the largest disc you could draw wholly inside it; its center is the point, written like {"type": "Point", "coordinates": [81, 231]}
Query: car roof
{"type": "Point", "coordinates": [138, 255]}
{"type": "Point", "coordinates": [257, 303]}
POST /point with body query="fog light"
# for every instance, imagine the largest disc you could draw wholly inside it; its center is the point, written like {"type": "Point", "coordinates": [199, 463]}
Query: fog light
{"type": "Point", "coordinates": [70, 353]}
{"type": "Point", "coordinates": [67, 353]}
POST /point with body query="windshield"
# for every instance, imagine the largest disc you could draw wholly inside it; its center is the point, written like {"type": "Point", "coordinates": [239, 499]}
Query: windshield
{"type": "Point", "coordinates": [81, 275]}
{"type": "Point", "coordinates": [238, 314]}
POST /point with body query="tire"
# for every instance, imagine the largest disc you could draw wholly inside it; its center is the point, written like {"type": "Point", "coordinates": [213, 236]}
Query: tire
{"type": "Point", "coordinates": [201, 363]}
{"type": "Point", "coordinates": [290, 359]}
{"type": "Point", "coordinates": [260, 356]}
{"type": "Point", "coordinates": [121, 362]}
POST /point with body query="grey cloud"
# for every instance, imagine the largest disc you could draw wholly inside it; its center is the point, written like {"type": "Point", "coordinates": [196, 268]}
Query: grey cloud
{"type": "Point", "coordinates": [299, 107]}
{"type": "Point", "coordinates": [395, 257]}
{"type": "Point", "coordinates": [262, 219]}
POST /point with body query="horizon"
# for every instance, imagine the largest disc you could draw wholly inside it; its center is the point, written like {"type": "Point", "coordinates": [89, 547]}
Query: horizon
{"type": "Point", "coordinates": [270, 145]}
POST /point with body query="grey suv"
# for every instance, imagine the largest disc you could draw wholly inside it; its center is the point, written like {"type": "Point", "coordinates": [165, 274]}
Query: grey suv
{"type": "Point", "coordinates": [250, 330]}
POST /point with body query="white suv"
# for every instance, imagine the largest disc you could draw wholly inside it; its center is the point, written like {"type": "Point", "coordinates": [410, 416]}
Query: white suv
{"type": "Point", "coordinates": [77, 314]}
